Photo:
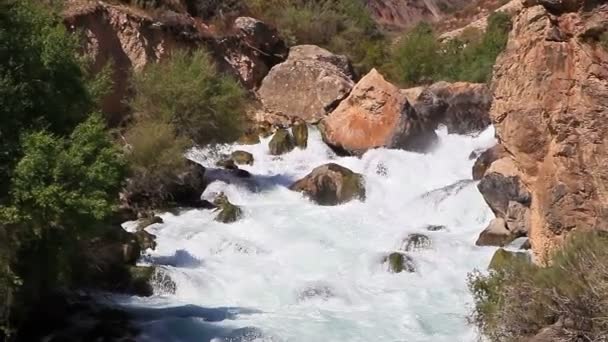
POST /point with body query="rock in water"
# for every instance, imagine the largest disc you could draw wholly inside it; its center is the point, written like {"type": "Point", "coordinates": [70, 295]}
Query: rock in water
{"type": "Point", "coordinates": [486, 159]}
{"type": "Point", "coordinates": [242, 158]}
{"type": "Point", "coordinates": [300, 134]}
{"type": "Point", "coordinates": [331, 184]}
{"type": "Point", "coordinates": [416, 242]}
{"type": "Point", "coordinates": [462, 107]}
{"type": "Point", "coordinates": [148, 221]}
{"type": "Point", "coordinates": [229, 212]}
{"type": "Point", "coordinates": [308, 84]}
{"type": "Point", "coordinates": [399, 262]}
{"type": "Point", "coordinates": [503, 258]}
{"type": "Point", "coordinates": [281, 143]}
{"type": "Point", "coordinates": [496, 234]}
{"type": "Point", "coordinates": [376, 114]}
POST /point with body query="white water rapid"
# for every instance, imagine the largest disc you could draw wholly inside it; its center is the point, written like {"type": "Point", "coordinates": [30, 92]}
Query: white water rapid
{"type": "Point", "coordinates": [291, 270]}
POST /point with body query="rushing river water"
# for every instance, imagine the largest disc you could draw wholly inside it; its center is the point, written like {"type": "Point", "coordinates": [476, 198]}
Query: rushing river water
{"type": "Point", "coordinates": [291, 270]}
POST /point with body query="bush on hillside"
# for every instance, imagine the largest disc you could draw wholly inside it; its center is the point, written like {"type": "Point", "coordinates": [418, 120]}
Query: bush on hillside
{"type": "Point", "coordinates": [156, 156]}
{"type": "Point", "coordinates": [189, 93]}
{"type": "Point", "coordinates": [518, 300]}
{"type": "Point", "coordinates": [341, 26]}
{"type": "Point", "coordinates": [420, 58]}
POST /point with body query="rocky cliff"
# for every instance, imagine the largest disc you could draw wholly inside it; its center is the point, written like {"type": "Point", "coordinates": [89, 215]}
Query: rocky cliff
{"type": "Point", "coordinates": [128, 38]}
{"type": "Point", "coordinates": [550, 111]}
{"type": "Point", "coordinates": [401, 14]}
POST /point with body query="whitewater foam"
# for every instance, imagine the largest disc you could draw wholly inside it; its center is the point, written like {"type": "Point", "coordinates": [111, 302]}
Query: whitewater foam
{"type": "Point", "coordinates": [291, 270]}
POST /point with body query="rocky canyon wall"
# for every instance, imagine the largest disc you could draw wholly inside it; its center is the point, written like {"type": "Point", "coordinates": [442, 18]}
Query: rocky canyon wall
{"type": "Point", "coordinates": [550, 111]}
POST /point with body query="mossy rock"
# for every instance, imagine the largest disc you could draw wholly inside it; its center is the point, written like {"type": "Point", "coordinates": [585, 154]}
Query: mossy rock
{"type": "Point", "coordinates": [399, 262]}
{"type": "Point", "coordinates": [229, 212]}
{"type": "Point", "coordinates": [331, 184]}
{"type": "Point", "coordinates": [242, 158]}
{"type": "Point", "coordinates": [148, 221]}
{"type": "Point", "coordinates": [503, 258]}
{"type": "Point", "coordinates": [226, 163]}
{"type": "Point", "coordinates": [281, 143]}
{"type": "Point", "coordinates": [141, 280]}
{"type": "Point", "coordinates": [416, 241]}
{"type": "Point", "coordinates": [251, 138]}
{"type": "Point", "coordinates": [300, 134]}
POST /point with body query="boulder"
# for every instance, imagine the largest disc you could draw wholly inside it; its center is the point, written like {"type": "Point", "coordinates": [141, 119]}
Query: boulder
{"type": "Point", "coordinates": [250, 51]}
{"type": "Point", "coordinates": [415, 242]}
{"type": "Point", "coordinates": [496, 234]}
{"type": "Point", "coordinates": [148, 221]}
{"type": "Point", "coordinates": [486, 159]}
{"type": "Point", "coordinates": [331, 184]}
{"type": "Point", "coordinates": [376, 114]}
{"type": "Point", "coordinates": [242, 158]}
{"type": "Point", "coordinates": [308, 84]}
{"type": "Point", "coordinates": [399, 262]}
{"type": "Point", "coordinates": [145, 240]}
{"type": "Point", "coordinates": [281, 143]}
{"type": "Point", "coordinates": [462, 107]}
{"type": "Point", "coordinates": [300, 134]}
{"type": "Point", "coordinates": [229, 212]}
{"type": "Point", "coordinates": [498, 190]}
{"type": "Point", "coordinates": [226, 163]}
{"type": "Point", "coordinates": [503, 258]}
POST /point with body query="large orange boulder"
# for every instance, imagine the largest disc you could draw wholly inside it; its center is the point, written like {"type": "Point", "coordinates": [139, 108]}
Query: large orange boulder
{"type": "Point", "coordinates": [376, 114]}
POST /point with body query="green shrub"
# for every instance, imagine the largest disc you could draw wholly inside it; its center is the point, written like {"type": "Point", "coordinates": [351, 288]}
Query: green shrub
{"type": "Point", "coordinates": [188, 92]}
{"type": "Point", "coordinates": [341, 26]}
{"type": "Point", "coordinates": [516, 301]}
{"type": "Point", "coordinates": [419, 58]}
{"type": "Point", "coordinates": [156, 156]}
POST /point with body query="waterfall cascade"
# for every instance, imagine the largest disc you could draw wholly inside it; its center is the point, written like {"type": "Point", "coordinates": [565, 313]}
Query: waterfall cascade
{"type": "Point", "coordinates": [291, 270]}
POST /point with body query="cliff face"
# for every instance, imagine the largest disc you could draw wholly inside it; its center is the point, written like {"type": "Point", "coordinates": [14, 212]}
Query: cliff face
{"type": "Point", "coordinates": [550, 111]}
{"type": "Point", "coordinates": [407, 13]}
{"type": "Point", "coordinates": [129, 38]}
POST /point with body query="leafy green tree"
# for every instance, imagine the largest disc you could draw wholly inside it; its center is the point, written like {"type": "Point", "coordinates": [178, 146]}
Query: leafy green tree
{"type": "Point", "coordinates": [189, 93]}
{"type": "Point", "coordinates": [42, 82]}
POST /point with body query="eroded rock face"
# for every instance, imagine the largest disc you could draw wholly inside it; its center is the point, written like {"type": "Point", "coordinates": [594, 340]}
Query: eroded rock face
{"type": "Point", "coordinates": [462, 107]}
{"type": "Point", "coordinates": [131, 39]}
{"type": "Point", "coordinates": [551, 114]}
{"type": "Point", "coordinates": [404, 14]}
{"type": "Point", "coordinates": [308, 85]}
{"type": "Point", "coordinates": [331, 184]}
{"type": "Point", "coordinates": [376, 114]}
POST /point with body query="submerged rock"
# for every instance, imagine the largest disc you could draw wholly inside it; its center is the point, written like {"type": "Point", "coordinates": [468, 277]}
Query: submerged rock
{"type": "Point", "coordinates": [281, 143]}
{"type": "Point", "coordinates": [242, 158]}
{"type": "Point", "coordinates": [416, 242]}
{"type": "Point", "coordinates": [145, 240]}
{"type": "Point", "coordinates": [226, 163]}
{"type": "Point", "coordinates": [300, 134]}
{"type": "Point", "coordinates": [229, 212]}
{"type": "Point", "coordinates": [435, 228]}
{"type": "Point", "coordinates": [331, 184]}
{"type": "Point", "coordinates": [399, 262]}
{"type": "Point", "coordinates": [318, 291]}
{"type": "Point", "coordinates": [144, 280]}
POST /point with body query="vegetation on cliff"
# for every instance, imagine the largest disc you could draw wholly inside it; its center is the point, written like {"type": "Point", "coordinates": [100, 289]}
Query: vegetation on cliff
{"type": "Point", "coordinates": [420, 58]}
{"type": "Point", "coordinates": [515, 301]}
